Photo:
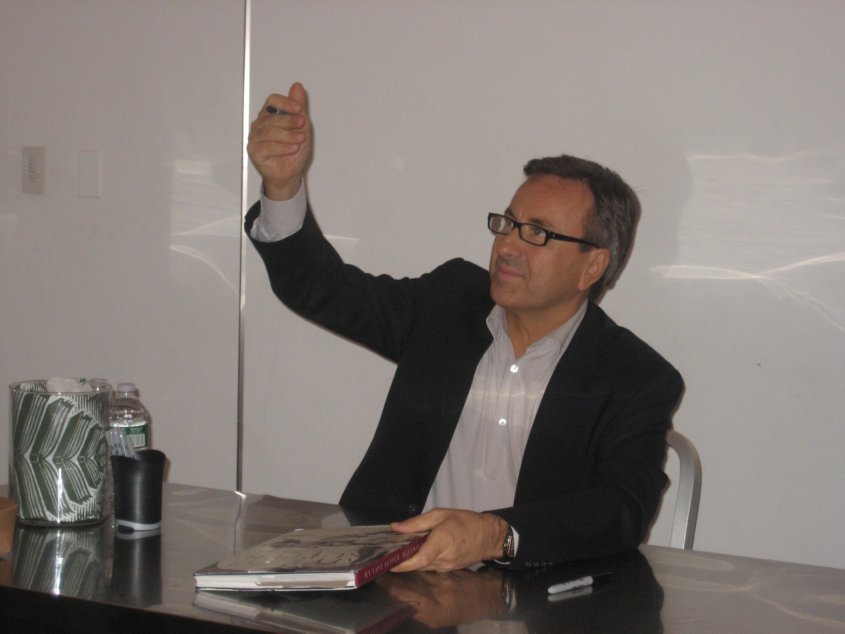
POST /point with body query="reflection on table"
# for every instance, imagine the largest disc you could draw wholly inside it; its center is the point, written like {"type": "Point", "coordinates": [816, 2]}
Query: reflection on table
{"type": "Point", "coordinates": [98, 574]}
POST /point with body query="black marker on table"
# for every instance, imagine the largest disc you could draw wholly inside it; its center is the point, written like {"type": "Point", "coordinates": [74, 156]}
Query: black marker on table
{"type": "Point", "coordinates": [583, 582]}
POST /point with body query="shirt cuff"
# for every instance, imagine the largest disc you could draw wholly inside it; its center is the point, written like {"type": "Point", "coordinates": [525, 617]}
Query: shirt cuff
{"type": "Point", "coordinates": [280, 218]}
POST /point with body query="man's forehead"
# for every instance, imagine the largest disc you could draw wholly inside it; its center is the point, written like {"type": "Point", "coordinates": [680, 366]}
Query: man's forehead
{"type": "Point", "coordinates": [547, 196]}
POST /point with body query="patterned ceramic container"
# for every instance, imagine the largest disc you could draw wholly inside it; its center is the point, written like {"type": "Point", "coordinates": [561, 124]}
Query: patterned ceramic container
{"type": "Point", "coordinates": [59, 453]}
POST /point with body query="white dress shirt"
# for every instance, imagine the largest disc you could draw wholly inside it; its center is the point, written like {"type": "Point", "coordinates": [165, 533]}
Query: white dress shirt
{"type": "Point", "coordinates": [482, 465]}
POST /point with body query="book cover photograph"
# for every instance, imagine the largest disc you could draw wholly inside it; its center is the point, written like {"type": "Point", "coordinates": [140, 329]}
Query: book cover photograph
{"type": "Point", "coordinates": [313, 559]}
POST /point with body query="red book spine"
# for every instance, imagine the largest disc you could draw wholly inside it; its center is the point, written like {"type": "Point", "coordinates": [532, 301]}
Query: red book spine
{"type": "Point", "coordinates": [388, 561]}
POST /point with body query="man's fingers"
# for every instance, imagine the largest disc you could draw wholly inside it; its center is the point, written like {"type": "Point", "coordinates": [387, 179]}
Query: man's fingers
{"type": "Point", "coordinates": [275, 139]}
{"type": "Point", "coordinates": [277, 104]}
{"type": "Point", "coordinates": [434, 554]}
{"type": "Point", "coordinates": [294, 103]}
{"type": "Point", "coordinates": [422, 559]}
{"type": "Point", "coordinates": [270, 124]}
{"type": "Point", "coordinates": [412, 563]}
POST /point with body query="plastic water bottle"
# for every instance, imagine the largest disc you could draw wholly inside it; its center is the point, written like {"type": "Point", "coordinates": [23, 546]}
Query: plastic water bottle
{"type": "Point", "coordinates": [126, 412]}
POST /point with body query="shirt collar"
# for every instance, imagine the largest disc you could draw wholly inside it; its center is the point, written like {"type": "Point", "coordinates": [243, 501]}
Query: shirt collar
{"type": "Point", "coordinates": [556, 340]}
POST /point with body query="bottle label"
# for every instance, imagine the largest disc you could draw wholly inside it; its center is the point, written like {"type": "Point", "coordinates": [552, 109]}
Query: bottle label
{"type": "Point", "coordinates": [136, 433]}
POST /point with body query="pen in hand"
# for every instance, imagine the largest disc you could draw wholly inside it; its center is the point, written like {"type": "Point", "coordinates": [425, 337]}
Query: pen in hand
{"type": "Point", "coordinates": [275, 110]}
{"type": "Point", "coordinates": [583, 582]}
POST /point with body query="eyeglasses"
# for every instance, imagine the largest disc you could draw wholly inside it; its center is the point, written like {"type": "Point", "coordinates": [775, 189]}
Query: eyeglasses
{"type": "Point", "coordinates": [532, 234]}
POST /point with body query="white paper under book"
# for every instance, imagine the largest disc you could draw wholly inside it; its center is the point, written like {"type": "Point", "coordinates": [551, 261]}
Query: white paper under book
{"type": "Point", "coordinates": [312, 559]}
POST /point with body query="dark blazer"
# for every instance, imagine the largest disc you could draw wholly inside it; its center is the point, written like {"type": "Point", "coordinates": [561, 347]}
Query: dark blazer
{"type": "Point", "coordinates": [592, 472]}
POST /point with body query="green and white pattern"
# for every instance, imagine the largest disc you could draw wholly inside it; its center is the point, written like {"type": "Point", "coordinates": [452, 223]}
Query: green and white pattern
{"type": "Point", "coordinates": [67, 561]}
{"type": "Point", "coordinates": [58, 454]}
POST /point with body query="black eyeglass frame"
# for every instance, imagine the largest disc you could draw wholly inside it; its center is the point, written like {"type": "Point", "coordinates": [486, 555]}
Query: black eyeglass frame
{"type": "Point", "coordinates": [549, 235]}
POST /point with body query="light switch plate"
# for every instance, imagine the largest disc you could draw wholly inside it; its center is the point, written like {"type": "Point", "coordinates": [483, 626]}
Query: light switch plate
{"type": "Point", "coordinates": [33, 166]}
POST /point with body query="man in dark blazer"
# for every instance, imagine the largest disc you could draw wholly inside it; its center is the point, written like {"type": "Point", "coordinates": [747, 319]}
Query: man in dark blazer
{"type": "Point", "coordinates": [588, 468]}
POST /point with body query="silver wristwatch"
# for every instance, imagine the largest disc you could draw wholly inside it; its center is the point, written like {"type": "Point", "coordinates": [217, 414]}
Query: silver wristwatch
{"type": "Point", "coordinates": [509, 545]}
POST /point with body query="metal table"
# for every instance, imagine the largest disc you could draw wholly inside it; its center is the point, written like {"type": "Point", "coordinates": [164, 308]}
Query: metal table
{"type": "Point", "coordinates": [97, 579]}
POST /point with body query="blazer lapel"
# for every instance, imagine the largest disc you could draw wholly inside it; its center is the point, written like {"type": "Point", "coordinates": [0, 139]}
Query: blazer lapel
{"type": "Point", "coordinates": [570, 406]}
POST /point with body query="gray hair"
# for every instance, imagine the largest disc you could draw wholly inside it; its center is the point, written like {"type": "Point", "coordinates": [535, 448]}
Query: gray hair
{"type": "Point", "coordinates": [612, 221]}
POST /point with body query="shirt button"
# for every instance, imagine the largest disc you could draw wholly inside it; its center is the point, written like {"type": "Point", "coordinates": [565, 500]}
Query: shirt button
{"type": "Point", "coordinates": [514, 368]}
{"type": "Point", "coordinates": [502, 422]}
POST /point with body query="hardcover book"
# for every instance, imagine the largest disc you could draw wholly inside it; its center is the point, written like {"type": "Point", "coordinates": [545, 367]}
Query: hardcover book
{"type": "Point", "coordinates": [313, 559]}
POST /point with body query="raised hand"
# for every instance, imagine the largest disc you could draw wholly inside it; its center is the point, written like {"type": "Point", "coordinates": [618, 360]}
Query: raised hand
{"type": "Point", "coordinates": [280, 145]}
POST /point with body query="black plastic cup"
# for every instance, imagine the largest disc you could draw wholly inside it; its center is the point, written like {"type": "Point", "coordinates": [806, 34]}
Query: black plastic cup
{"type": "Point", "coordinates": [137, 490]}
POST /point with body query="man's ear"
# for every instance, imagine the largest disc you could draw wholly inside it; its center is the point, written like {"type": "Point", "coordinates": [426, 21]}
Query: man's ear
{"type": "Point", "coordinates": [597, 262]}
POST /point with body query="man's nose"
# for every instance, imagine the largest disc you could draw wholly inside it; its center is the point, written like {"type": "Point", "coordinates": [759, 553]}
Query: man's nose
{"type": "Point", "coordinates": [510, 242]}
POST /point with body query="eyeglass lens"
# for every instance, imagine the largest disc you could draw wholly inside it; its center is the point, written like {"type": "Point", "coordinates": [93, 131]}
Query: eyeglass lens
{"type": "Point", "coordinates": [530, 233]}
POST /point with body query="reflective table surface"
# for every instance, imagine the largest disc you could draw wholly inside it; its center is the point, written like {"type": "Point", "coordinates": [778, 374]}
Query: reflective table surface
{"type": "Point", "coordinates": [98, 579]}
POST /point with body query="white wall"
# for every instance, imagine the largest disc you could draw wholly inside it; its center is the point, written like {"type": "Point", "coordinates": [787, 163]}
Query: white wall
{"type": "Point", "coordinates": [141, 284]}
{"type": "Point", "coordinates": [727, 119]}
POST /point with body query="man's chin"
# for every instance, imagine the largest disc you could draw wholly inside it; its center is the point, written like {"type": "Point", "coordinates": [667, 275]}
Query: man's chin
{"type": "Point", "coordinates": [502, 296]}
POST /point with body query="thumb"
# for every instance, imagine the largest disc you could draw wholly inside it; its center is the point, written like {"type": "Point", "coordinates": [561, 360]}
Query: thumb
{"type": "Point", "coordinates": [407, 526]}
{"type": "Point", "coordinates": [298, 94]}
{"type": "Point", "coordinates": [416, 524]}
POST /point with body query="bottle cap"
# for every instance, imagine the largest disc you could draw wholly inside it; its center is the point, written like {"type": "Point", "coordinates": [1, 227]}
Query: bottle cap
{"type": "Point", "coordinates": [125, 387]}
